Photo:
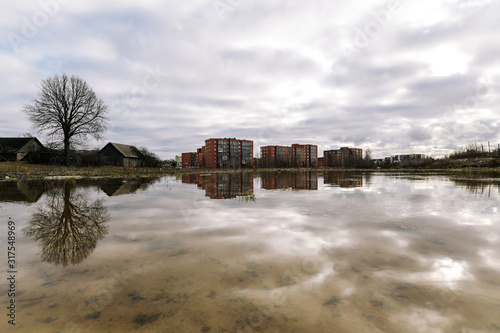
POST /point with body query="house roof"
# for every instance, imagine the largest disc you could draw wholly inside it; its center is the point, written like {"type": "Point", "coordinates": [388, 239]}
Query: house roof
{"type": "Point", "coordinates": [125, 150]}
{"type": "Point", "coordinates": [13, 145]}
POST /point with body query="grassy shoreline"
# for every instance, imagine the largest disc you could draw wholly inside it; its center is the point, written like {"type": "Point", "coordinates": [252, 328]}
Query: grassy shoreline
{"type": "Point", "coordinates": [19, 171]}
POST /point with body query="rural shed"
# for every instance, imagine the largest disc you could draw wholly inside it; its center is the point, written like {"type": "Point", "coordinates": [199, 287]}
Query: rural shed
{"type": "Point", "coordinates": [120, 155]}
{"type": "Point", "coordinates": [19, 149]}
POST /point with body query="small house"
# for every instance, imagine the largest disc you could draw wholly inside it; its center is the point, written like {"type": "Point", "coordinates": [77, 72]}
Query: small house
{"type": "Point", "coordinates": [120, 155]}
{"type": "Point", "coordinates": [19, 149]}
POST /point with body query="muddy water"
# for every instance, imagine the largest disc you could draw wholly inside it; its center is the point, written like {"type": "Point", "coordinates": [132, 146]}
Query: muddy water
{"type": "Point", "coordinates": [277, 252]}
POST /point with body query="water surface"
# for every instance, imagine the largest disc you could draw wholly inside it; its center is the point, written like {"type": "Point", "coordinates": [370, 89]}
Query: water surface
{"type": "Point", "coordinates": [274, 252]}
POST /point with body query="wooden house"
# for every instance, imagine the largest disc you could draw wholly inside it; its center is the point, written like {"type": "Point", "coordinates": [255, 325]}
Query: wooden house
{"type": "Point", "coordinates": [19, 149]}
{"type": "Point", "coordinates": [120, 155]}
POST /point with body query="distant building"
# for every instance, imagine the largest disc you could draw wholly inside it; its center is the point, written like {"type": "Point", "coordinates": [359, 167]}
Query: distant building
{"type": "Point", "coordinates": [276, 156]}
{"type": "Point", "coordinates": [296, 155]}
{"type": "Point", "coordinates": [305, 155]}
{"type": "Point", "coordinates": [194, 160]}
{"type": "Point", "coordinates": [19, 149]}
{"type": "Point", "coordinates": [343, 157]}
{"type": "Point", "coordinates": [120, 155]}
{"type": "Point", "coordinates": [403, 158]}
{"type": "Point", "coordinates": [228, 153]}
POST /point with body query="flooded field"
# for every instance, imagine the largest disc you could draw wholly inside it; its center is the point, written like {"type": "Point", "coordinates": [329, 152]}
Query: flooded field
{"type": "Point", "coordinates": [238, 252]}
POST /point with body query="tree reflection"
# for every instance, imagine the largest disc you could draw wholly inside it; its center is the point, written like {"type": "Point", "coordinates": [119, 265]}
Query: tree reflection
{"type": "Point", "coordinates": [68, 226]}
{"type": "Point", "coordinates": [479, 186]}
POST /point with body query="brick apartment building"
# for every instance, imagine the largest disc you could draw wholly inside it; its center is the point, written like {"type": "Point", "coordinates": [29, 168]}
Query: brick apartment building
{"type": "Point", "coordinates": [228, 153]}
{"type": "Point", "coordinates": [344, 156]}
{"type": "Point", "coordinates": [275, 156]}
{"type": "Point", "coordinates": [295, 156]}
{"type": "Point", "coordinates": [194, 160]}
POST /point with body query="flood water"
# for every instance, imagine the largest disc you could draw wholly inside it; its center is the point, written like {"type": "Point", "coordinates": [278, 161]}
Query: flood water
{"type": "Point", "coordinates": [244, 252]}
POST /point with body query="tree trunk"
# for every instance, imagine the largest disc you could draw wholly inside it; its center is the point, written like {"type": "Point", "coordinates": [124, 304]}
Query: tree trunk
{"type": "Point", "coordinates": [66, 151]}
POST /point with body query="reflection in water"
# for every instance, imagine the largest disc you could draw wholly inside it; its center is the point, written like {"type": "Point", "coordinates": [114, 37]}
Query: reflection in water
{"type": "Point", "coordinates": [230, 185]}
{"type": "Point", "coordinates": [479, 183]}
{"type": "Point", "coordinates": [20, 192]}
{"type": "Point", "coordinates": [476, 186]}
{"type": "Point", "coordinates": [301, 180]}
{"type": "Point", "coordinates": [222, 185]}
{"type": "Point", "coordinates": [114, 187]}
{"type": "Point", "coordinates": [405, 253]}
{"type": "Point", "coordinates": [68, 225]}
{"type": "Point", "coordinates": [344, 179]}
{"type": "Point", "coordinates": [31, 192]}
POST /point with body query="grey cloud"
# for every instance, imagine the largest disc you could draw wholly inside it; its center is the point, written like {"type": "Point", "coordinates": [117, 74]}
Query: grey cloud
{"type": "Point", "coordinates": [419, 133]}
{"type": "Point", "coordinates": [269, 71]}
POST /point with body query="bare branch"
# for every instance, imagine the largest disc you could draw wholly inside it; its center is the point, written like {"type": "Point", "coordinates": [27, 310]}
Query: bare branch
{"type": "Point", "coordinates": [69, 109]}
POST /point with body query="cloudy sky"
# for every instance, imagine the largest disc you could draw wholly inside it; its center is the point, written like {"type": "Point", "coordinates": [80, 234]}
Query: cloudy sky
{"type": "Point", "coordinates": [393, 76]}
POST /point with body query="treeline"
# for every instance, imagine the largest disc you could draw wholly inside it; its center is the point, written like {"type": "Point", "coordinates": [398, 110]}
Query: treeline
{"type": "Point", "coordinates": [475, 150]}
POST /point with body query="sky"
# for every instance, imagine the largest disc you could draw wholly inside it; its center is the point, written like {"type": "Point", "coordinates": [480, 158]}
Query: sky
{"type": "Point", "coordinates": [394, 76]}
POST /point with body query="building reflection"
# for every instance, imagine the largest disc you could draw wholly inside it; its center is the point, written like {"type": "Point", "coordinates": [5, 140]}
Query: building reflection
{"type": "Point", "coordinates": [301, 180]}
{"type": "Point", "coordinates": [68, 224]}
{"type": "Point", "coordinates": [21, 192]}
{"type": "Point", "coordinates": [344, 179]}
{"type": "Point", "coordinates": [222, 185]}
{"type": "Point", "coordinates": [115, 187]}
{"type": "Point", "coordinates": [31, 192]}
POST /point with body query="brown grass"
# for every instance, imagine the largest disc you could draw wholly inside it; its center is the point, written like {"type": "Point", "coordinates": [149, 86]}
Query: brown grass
{"type": "Point", "coordinates": [25, 171]}
{"type": "Point", "coordinates": [21, 171]}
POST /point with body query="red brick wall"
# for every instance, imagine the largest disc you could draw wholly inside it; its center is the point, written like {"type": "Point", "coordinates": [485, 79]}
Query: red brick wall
{"type": "Point", "coordinates": [226, 153]}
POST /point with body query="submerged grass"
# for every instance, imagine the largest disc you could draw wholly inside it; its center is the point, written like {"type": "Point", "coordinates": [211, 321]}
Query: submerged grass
{"type": "Point", "coordinates": [143, 319]}
{"type": "Point", "coordinates": [249, 198]}
{"type": "Point", "coordinates": [20, 171]}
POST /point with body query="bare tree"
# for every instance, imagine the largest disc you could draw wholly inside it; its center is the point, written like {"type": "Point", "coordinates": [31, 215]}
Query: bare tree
{"type": "Point", "coordinates": [68, 109]}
